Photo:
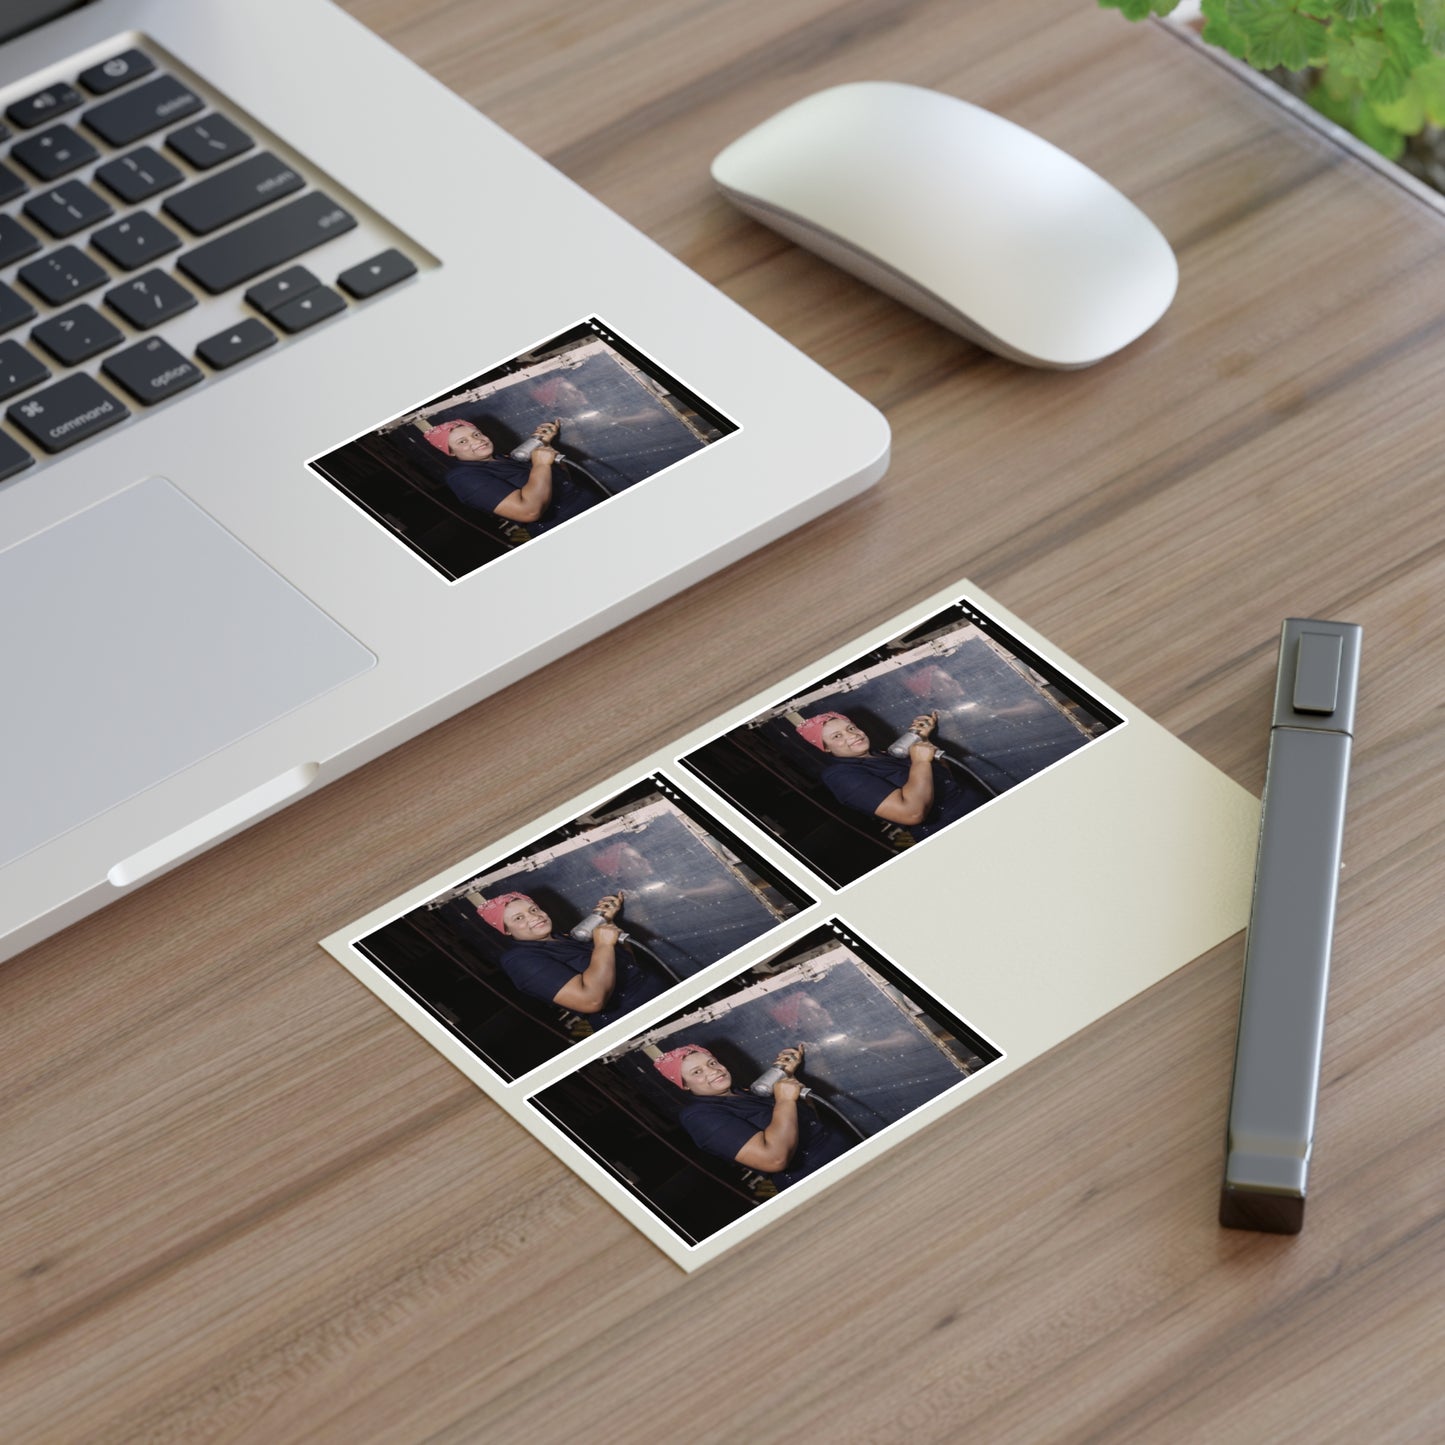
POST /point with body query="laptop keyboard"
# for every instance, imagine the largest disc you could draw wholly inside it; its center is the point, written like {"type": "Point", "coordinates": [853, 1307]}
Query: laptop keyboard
{"type": "Point", "coordinates": [128, 201]}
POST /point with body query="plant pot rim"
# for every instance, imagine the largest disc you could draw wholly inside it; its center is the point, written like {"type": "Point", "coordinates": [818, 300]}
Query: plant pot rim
{"type": "Point", "coordinates": [1331, 131]}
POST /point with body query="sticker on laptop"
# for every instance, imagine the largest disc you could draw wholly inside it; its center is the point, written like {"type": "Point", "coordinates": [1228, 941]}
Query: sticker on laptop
{"type": "Point", "coordinates": [766, 1082]}
{"type": "Point", "coordinates": [504, 458]}
{"type": "Point", "coordinates": [549, 945]}
{"type": "Point", "coordinates": [904, 741]}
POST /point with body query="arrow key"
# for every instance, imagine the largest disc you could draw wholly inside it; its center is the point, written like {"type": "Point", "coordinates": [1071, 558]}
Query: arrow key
{"type": "Point", "coordinates": [376, 274]}
{"type": "Point", "coordinates": [235, 344]}
{"type": "Point", "coordinates": [307, 310]}
{"type": "Point", "coordinates": [284, 286]}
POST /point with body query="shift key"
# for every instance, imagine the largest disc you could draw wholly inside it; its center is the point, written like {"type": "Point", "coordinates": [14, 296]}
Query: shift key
{"type": "Point", "coordinates": [266, 242]}
{"type": "Point", "coordinates": [235, 192]}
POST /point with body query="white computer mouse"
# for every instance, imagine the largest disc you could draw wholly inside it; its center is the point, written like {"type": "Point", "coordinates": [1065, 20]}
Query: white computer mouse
{"type": "Point", "coordinates": [976, 222]}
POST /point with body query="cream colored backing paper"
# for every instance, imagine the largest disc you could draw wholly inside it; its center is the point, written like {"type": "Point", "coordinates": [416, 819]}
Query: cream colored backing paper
{"type": "Point", "coordinates": [1129, 857]}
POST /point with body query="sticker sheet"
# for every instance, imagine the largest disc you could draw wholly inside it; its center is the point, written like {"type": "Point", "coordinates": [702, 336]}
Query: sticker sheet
{"type": "Point", "coordinates": [719, 982]}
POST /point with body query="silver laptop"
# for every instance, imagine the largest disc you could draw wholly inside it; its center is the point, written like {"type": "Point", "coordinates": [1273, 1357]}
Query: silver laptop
{"type": "Point", "coordinates": [326, 410]}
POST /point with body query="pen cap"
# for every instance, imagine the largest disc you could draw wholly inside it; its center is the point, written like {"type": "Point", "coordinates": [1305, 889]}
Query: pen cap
{"type": "Point", "coordinates": [1318, 674]}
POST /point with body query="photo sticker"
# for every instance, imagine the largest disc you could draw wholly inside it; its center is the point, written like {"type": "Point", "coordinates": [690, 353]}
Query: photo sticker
{"type": "Point", "coordinates": [573, 932]}
{"type": "Point", "coordinates": [902, 743]}
{"type": "Point", "coordinates": [504, 458]}
{"type": "Point", "coordinates": [764, 1082]}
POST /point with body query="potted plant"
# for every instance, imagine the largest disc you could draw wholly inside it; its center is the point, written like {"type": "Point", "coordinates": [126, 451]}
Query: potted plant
{"type": "Point", "coordinates": [1374, 67]}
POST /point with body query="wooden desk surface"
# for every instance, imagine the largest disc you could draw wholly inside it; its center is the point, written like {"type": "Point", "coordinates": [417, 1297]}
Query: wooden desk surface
{"type": "Point", "coordinates": [243, 1201]}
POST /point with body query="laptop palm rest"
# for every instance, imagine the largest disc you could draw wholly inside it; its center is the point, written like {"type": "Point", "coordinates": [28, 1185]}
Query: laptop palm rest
{"type": "Point", "coordinates": [138, 638]}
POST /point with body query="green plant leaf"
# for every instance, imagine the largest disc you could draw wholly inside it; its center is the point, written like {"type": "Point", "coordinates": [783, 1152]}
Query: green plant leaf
{"type": "Point", "coordinates": [1275, 33]}
{"type": "Point", "coordinates": [1337, 108]}
{"type": "Point", "coordinates": [1343, 9]}
{"type": "Point", "coordinates": [1359, 119]}
{"type": "Point", "coordinates": [1339, 86]}
{"type": "Point", "coordinates": [1428, 81]}
{"type": "Point", "coordinates": [1139, 9]}
{"type": "Point", "coordinates": [1376, 134]}
{"type": "Point", "coordinates": [1359, 57]}
{"type": "Point", "coordinates": [1389, 85]}
{"type": "Point", "coordinates": [1406, 115]}
{"type": "Point", "coordinates": [1431, 16]}
{"type": "Point", "coordinates": [1390, 82]}
{"type": "Point", "coordinates": [1402, 33]}
{"type": "Point", "coordinates": [1219, 29]}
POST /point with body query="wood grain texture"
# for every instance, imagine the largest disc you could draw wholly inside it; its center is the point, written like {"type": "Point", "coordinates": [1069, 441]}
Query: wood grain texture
{"type": "Point", "coordinates": [242, 1201]}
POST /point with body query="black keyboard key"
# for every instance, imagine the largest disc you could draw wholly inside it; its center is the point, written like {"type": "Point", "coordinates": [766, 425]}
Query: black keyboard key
{"type": "Point", "coordinates": [62, 275]}
{"type": "Point", "coordinates": [10, 185]}
{"type": "Point", "coordinates": [14, 308]}
{"type": "Point", "coordinates": [119, 70]}
{"type": "Point", "coordinates": [70, 207]}
{"type": "Point", "coordinates": [77, 335]}
{"type": "Point", "coordinates": [135, 241]}
{"type": "Point", "coordinates": [307, 310]}
{"type": "Point", "coordinates": [285, 286]}
{"type": "Point", "coordinates": [266, 242]}
{"type": "Point", "coordinates": [19, 369]}
{"type": "Point", "coordinates": [152, 371]}
{"type": "Point", "coordinates": [13, 458]}
{"type": "Point", "coordinates": [206, 143]}
{"type": "Point", "coordinates": [140, 111]}
{"type": "Point", "coordinates": [150, 299]}
{"type": "Point", "coordinates": [245, 187]}
{"type": "Point", "coordinates": [376, 274]}
{"type": "Point", "coordinates": [44, 105]}
{"type": "Point", "coordinates": [53, 153]}
{"type": "Point", "coordinates": [138, 176]}
{"type": "Point", "coordinates": [235, 344]}
{"type": "Point", "coordinates": [15, 241]}
{"type": "Point", "coordinates": [75, 408]}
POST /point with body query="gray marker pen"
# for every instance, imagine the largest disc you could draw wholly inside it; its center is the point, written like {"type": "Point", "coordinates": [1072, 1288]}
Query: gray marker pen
{"type": "Point", "coordinates": [1291, 924]}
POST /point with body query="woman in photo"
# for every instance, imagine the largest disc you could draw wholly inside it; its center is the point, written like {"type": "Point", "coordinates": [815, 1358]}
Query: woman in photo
{"type": "Point", "coordinates": [917, 792]}
{"type": "Point", "coordinates": [777, 1135]}
{"type": "Point", "coordinates": [597, 976]}
{"type": "Point", "coordinates": [532, 493]}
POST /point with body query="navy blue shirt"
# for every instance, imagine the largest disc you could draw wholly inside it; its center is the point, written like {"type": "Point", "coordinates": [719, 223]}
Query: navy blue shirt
{"type": "Point", "coordinates": [543, 967]}
{"type": "Point", "coordinates": [723, 1123]}
{"type": "Point", "coordinates": [863, 783]}
{"type": "Point", "coordinates": [486, 485]}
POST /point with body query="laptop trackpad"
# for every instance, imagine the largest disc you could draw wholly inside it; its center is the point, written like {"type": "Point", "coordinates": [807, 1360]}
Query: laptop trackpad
{"type": "Point", "coordinates": [136, 639]}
